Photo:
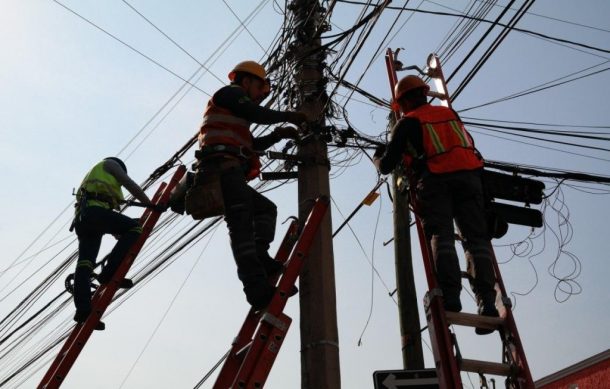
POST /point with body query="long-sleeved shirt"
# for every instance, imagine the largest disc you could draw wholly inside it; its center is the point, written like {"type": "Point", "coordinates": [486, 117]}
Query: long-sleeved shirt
{"type": "Point", "coordinates": [406, 135]}
{"type": "Point", "coordinates": [113, 167]}
{"type": "Point", "coordinates": [237, 101]}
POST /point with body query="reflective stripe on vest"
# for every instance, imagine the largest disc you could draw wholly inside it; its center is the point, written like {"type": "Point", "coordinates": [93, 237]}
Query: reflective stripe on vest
{"type": "Point", "coordinates": [213, 118]}
{"type": "Point", "coordinates": [99, 181]}
{"type": "Point", "coordinates": [448, 147]}
{"type": "Point", "coordinates": [221, 127]}
{"type": "Point", "coordinates": [213, 135]}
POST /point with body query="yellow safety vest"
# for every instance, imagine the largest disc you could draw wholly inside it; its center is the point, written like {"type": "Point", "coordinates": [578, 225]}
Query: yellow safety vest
{"type": "Point", "coordinates": [101, 188]}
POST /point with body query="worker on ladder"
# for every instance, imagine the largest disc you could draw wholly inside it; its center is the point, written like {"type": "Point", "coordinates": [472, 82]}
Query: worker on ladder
{"type": "Point", "coordinates": [433, 142]}
{"type": "Point", "coordinates": [97, 197]}
{"type": "Point", "coordinates": [229, 150]}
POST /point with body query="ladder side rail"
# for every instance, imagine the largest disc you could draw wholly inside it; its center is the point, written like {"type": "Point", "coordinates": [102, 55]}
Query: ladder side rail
{"type": "Point", "coordinates": [104, 294]}
{"type": "Point", "coordinates": [446, 364]}
{"type": "Point", "coordinates": [438, 74]}
{"type": "Point", "coordinates": [275, 337]}
{"type": "Point", "coordinates": [438, 328]}
{"type": "Point", "coordinates": [78, 327]}
{"type": "Point", "coordinates": [515, 355]}
{"type": "Point", "coordinates": [518, 357]}
{"type": "Point", "coordinates": [231, 365]}
{"type": "Point", "coordinates": [278, 302]}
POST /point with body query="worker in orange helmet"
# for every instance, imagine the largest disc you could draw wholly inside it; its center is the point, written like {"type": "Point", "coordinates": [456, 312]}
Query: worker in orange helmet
{"type": "Point", "coordinates": [433, 142]}
{"type": "Point", "coordinates": [228, 147]}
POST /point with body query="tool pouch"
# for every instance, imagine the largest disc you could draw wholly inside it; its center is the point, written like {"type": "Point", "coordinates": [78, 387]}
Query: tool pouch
{"type": "Point", "coordinates": [204, 198]}
{"type": "Point", "coordinates": [177, 197]}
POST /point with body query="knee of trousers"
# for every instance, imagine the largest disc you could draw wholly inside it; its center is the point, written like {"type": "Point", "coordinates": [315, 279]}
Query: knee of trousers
{"type": "Point", "coordinates": [443, 244]}
{"type": "Point", "coordinates": [84, 265]}
{"type": "Point", "coordinates": [238, 213]}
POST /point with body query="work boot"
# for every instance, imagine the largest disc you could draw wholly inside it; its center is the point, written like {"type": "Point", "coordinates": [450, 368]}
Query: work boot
{"type": "Point", "coordinates": [125, 283]}
{"type": "Point", "coordinates": [486, 309]}
{"type": "Point", "coordinates": [452, 302]}
{"type": "Point", "coordinates": [274, 270]}
{"type": "Point", "coordinates": [259, 296]}
{"type": "Point", "coordinates": [81, 316]}
{"type": "Point", "coordinates": [272, 267]}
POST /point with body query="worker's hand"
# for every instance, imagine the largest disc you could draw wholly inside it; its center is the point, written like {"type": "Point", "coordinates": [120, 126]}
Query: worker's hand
{"type": "Point", "coordinates": [379, 151]}
{"type": "Point", "coordinates": [286, 133]}
{"type": "Point", "coordinates": [297, 118]}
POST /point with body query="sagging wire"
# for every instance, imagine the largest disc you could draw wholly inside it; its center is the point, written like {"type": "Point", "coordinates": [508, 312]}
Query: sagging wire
{"type": "Point", "coordinates": [373, 271]}
{"type": "Point", "coordinates": [169, 307]}
{"type": "Point", "coordinates": [364, 252]}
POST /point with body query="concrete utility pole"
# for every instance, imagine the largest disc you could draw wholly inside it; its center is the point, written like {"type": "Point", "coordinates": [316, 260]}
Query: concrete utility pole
{"type": "Point", "coordinates": [412, 355]}
{"type": "Point", "coordinates": [408, 313]}
{"type": "Point", "coordinates": [319, 333]}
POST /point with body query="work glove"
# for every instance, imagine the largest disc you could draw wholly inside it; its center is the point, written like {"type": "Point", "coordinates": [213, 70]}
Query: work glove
{"type": "Point", "coordinates": [286, 133]}
{"type": "Point", "coordinates": [379, 151]}
{"type": "Point", "coordinates": [297, 118]}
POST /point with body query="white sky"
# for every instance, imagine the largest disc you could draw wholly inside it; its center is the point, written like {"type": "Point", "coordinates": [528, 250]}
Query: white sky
{"type": "Point", "coordinates": [71, 96]}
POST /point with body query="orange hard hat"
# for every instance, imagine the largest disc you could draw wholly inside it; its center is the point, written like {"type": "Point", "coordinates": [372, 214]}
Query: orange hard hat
{"type": "Point", "coordinates": [407, 84]}
{"type": "Point", "coordinates": [251, 67]}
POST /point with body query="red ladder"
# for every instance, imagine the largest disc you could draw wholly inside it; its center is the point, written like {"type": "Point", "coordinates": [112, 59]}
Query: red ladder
{"type": "Point", "coordinates": [105, 293]}
{"type": "Point", "coordinates": [260, 338]}
{"type": "Point", "coordinates": [448, 359]}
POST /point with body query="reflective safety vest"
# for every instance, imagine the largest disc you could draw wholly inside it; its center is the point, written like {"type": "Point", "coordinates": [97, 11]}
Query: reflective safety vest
{"type": "Point", "coordinates": [100, 188]}
{"type": "Point", "coordinates": [221, 127]}
{"type": "Point", "coordinates": [448, 147]}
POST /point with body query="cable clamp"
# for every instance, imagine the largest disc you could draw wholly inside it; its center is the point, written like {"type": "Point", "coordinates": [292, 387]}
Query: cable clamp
{"type": "Point", "coordinates": [321, 343]}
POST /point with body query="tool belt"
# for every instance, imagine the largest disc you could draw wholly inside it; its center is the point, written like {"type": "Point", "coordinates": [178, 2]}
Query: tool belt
{"type": "Point", "coordinates": [104, 198]}
{"type": "Point", "coordinates": [82, 197]}
{"type": "Point", "coordinates": [204, 198]}
{"type": "Point", "coordinates": [211, 151]}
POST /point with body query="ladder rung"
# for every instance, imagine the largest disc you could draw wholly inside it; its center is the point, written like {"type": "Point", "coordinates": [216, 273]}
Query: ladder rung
{"type": "Point", "coordinates": [472, 320]}
{"type": "Point", "coordinates": [484, 367]}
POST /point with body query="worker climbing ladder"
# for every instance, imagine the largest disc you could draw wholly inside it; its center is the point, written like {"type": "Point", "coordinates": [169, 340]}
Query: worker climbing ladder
{"type": "Point", "coordinates": [447, 356]}
{"type": "Point", "coordinates": [260, 338]}
{"type": "Point", "coordinates": [103, 296]}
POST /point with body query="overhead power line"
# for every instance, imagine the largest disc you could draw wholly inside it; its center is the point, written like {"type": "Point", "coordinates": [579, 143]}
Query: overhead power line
{"type": "Point", "coordinates": [131, 47]}
{"type": "Point", "coordinates": [173, 41]}
{"type": "Point", "coordinates": [522, 30]}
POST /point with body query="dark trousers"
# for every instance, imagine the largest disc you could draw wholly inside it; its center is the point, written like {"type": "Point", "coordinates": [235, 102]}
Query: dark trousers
{"type": "Point", "coordinates": [90, 228]}
{"type": "Point", "coordinates": [441, 198]}
{"type": "Point", "coordinates": [250, 219]}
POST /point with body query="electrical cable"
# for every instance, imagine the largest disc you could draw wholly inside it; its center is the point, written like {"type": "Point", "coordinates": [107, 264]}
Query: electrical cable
{"type": "Point", "coordinates": [534, 33]}
{"type": "Point", "coordinates": [131, 47]}
{"type": "Point", "coordinates": [373, 271]}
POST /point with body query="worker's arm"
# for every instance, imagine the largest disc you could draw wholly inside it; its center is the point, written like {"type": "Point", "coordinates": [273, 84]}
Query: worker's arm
{"type": "Point", "coordinates": [262, 143]}
{"type": "Point", "coordinates": [404, 134]}
{"type": "Point", "coordinates": [235, 99]}
{"type": "Point", "coordinates": [115, 169]}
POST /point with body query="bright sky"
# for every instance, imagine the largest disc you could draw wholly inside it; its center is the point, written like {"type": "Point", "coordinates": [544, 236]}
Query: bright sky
{"type": "Point", "coordinates": [71, 95]}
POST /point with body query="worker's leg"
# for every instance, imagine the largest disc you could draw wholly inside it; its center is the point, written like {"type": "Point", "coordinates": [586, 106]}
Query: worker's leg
{"type": "Point", "coordinates": [89, 241]}
{"type": "Point", "coordinates": [127, 230]}
{"type": "Point", "coordinates": [470, 218]}
{"type": "Point", "coordinates": [265, 217]}
{"type": "Point", "coordinates": [239, 216]}
{"type": "Point", "coordinates": [435, 210]}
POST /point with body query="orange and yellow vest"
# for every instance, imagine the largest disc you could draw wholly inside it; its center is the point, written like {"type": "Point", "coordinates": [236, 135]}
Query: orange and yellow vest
{"type": "Point", "coordinates": [221, 127]}
{"type": "Point", "coordinates": [448, 147]}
